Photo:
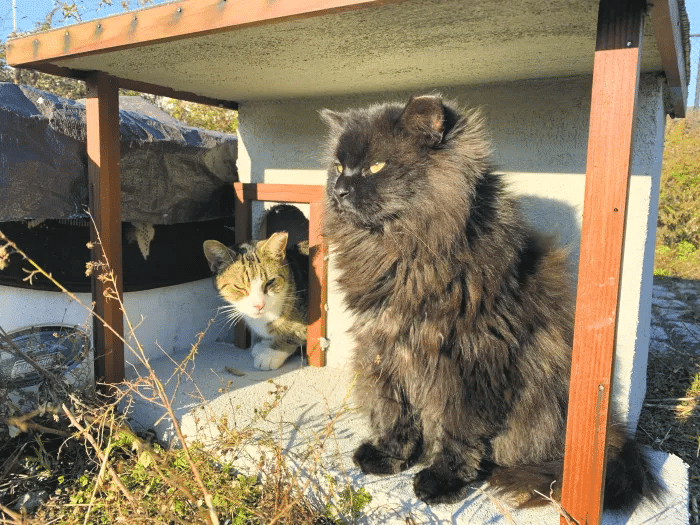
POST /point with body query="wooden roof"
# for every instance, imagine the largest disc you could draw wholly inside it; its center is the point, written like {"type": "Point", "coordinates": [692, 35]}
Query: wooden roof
{"type": "Point", "coordinates": [238, 50]}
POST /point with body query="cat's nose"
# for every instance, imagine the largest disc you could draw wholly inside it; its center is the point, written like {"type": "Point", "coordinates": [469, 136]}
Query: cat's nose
{"type": "Point", "coordinates": [342, 187]}
{"type": "Point", "coordinates": [259, 306]}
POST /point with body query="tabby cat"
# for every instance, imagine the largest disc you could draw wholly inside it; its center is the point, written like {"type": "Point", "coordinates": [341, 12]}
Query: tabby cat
{"type": "Point", "coordinates": [264, 285]}
{"type": "Point", "coordinates": [463, 316]}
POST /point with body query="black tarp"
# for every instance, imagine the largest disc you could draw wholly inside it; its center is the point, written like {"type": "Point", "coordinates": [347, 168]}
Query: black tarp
{"type": "Point", "coordinates": [170, 173]}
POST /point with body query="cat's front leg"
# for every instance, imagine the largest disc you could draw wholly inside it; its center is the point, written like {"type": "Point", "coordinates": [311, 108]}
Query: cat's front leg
{"type": "Point", "coordinates": [447, 480]}
{"type": "Point", "coordinates": [399, 445]}
{"type": "Point", "coordinates": [266, 356]}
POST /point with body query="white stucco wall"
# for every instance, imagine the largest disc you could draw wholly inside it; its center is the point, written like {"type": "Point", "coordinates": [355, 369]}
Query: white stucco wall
{"type": "Point", "coordinates": [164, 319]}
{"type": "Point", "coordinates": [540, 132]}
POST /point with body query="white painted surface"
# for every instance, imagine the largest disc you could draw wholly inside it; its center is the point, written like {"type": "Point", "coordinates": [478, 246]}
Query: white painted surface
{"type": "Point", "coordinates": [164, 319]}
{"type": "Point", "coordinates": [539, 131]}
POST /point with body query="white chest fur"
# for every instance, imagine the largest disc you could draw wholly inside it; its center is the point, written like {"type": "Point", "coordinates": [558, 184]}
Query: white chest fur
{"type": "Point", "coordinates": [259, 326]}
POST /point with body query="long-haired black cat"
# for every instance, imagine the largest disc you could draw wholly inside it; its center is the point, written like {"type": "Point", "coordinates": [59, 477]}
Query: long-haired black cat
{"type": "Point", "coordinates": [463, 316]}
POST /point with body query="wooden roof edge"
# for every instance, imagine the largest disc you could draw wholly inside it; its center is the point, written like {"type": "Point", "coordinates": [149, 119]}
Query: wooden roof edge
{"type": "Point", "coordinates": [162, 23]}
{"type": "Point", "coordinates": [135, 85]}
{"type": "Point", "coordinates": [670, 24]}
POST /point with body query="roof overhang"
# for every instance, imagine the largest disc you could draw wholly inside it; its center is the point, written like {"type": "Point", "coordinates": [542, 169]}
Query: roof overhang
{"type": "Point", "coordinates": [239, 50]}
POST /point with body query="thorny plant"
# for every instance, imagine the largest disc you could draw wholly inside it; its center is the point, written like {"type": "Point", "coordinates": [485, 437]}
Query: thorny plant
{"type": "Point", "coordinates": [104, 472]}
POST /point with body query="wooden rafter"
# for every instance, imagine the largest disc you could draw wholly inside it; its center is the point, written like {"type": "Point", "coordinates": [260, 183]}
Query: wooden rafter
{"type": "Point", "coordinates": [613, 102]}
{"type": "Point", "coordinates": [135, 85]}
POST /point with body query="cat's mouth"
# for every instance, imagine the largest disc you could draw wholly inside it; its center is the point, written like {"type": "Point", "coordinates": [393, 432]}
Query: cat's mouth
{"type": "Point", "coordinates": [357, 217]}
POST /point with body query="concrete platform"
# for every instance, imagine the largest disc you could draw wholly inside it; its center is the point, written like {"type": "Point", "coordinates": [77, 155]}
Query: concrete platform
{"type": "Point", "coordinates": [312, 417]}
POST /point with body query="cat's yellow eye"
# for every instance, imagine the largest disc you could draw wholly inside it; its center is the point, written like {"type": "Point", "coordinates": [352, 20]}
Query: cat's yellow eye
{"type": "Point", "coordinates": [377, 167]}
{"type": "Point", "coordinates": [338, 167]}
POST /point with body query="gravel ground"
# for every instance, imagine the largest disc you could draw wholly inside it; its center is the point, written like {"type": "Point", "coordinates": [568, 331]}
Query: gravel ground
{"type": "Point", "coordinates": [670, 419]}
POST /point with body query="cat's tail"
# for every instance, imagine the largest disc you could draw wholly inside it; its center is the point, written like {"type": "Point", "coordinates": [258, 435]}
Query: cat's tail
{"type": "Point", "coordinates": [628, 478]}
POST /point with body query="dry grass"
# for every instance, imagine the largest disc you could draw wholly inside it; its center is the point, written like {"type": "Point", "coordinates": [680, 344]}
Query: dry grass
{"type": "Point", "coordinates": [76, 453]}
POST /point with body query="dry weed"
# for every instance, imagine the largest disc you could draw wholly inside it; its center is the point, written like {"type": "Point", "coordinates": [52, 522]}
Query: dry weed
{"type": "Point", "coordinates": [76, 453]}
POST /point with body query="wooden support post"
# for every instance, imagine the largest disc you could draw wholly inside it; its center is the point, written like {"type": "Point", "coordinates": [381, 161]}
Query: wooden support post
{"type": "Point", "coordinates": [102, 119]}
{"type": "Point", "coordinates": [614, 94]}
{"type": "Point", "coordinates": [312, 195]}
{"type": "Point", "coordinates": [243, 233]}
{"type": "Point", "coordinates": [317, 289]}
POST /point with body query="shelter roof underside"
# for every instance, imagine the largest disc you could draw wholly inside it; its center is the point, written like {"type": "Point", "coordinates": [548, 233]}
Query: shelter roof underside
{"type": "Point", "coordinates": [365, 47]}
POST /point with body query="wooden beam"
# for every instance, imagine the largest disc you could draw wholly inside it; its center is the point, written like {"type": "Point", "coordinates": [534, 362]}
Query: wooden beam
{"type": "Point", "coordinates": [614, 93]}
{"type": "Point", "coordinates": [292, 193]}
{"type": "Point", "coordinates": [102, 120]}
{"type": "Point", "coordinates": [666, 22]}
{"type": "Point", "coordinates": [281, 192]}
{"type": "Point", "coordinates": [134, 85]}
{"type": "Point", "coordinates": [163, 23]}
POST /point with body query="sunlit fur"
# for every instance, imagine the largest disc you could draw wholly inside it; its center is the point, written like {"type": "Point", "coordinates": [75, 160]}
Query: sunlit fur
{"type": "Point", "coordinates": [462, 314]}
{"type": "Point", "coordinates": [259, 286]}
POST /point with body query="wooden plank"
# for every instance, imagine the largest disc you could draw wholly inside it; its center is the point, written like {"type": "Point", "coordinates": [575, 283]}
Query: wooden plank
{"type": "Point", "coordinates": [316, 335]}
{"type": "Point", "coordinates": [142, 87]}
{"type": "Point", "coordinates": [102, 120]}
{"type": "Point", "coordinates": [614, 93]}
{"type": "Point", "coordinates": [163, 23]}
{"type": "Point", "coordinates": [666, 22]}
{"type": "Point", "coordinates": [284, 192]}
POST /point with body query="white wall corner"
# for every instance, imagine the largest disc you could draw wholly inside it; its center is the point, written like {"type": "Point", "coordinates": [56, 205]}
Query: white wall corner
{"type": "Point", "coordinates": [633, 333]}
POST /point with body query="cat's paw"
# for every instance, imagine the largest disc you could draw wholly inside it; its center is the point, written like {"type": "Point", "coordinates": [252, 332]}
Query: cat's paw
{"type": "Point", "coordinates": [372, 460]}
{"type": "Point", "coordinates": [266, 358]}
{"type": "Point", "coordinates": [434, 485]}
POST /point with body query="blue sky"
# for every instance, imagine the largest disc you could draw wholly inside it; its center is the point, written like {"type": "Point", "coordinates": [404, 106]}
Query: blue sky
{"type": "Point", "coordinates": [31, 11]}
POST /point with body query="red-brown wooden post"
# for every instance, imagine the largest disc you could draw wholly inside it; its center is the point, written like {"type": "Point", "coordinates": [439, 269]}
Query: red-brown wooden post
{"type": "Point", "coordinates": [243, 233]}
{"type": "Point", "coordinates": [317, 289]}
{"type": "Point", "coordinates": [102, 123]}
{"type": "Point", "coordinates": [614, 94]}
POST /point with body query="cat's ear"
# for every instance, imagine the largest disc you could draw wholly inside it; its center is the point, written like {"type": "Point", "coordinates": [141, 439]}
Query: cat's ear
{"type": "Point", "coordinates": [424, 116]}
{"type": "Point", "coordinates": [217, 254]}
{"type": "Point", "coordinates": [332, 118]}
{"type": "Point", "coordinates": [275, 245]}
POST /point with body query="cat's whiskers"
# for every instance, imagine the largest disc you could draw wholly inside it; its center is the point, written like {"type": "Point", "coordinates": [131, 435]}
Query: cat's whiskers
{"type": "Point", "coordinates": [231, 314]}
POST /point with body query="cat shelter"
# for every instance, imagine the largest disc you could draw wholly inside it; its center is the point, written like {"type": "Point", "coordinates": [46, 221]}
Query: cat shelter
{"type": "Point", "coordinates": [575, 96]}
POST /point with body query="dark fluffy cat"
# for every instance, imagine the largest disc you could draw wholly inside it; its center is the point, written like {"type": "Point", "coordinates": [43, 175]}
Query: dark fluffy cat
{"type": "Point", "coordinates": [463, 315]}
